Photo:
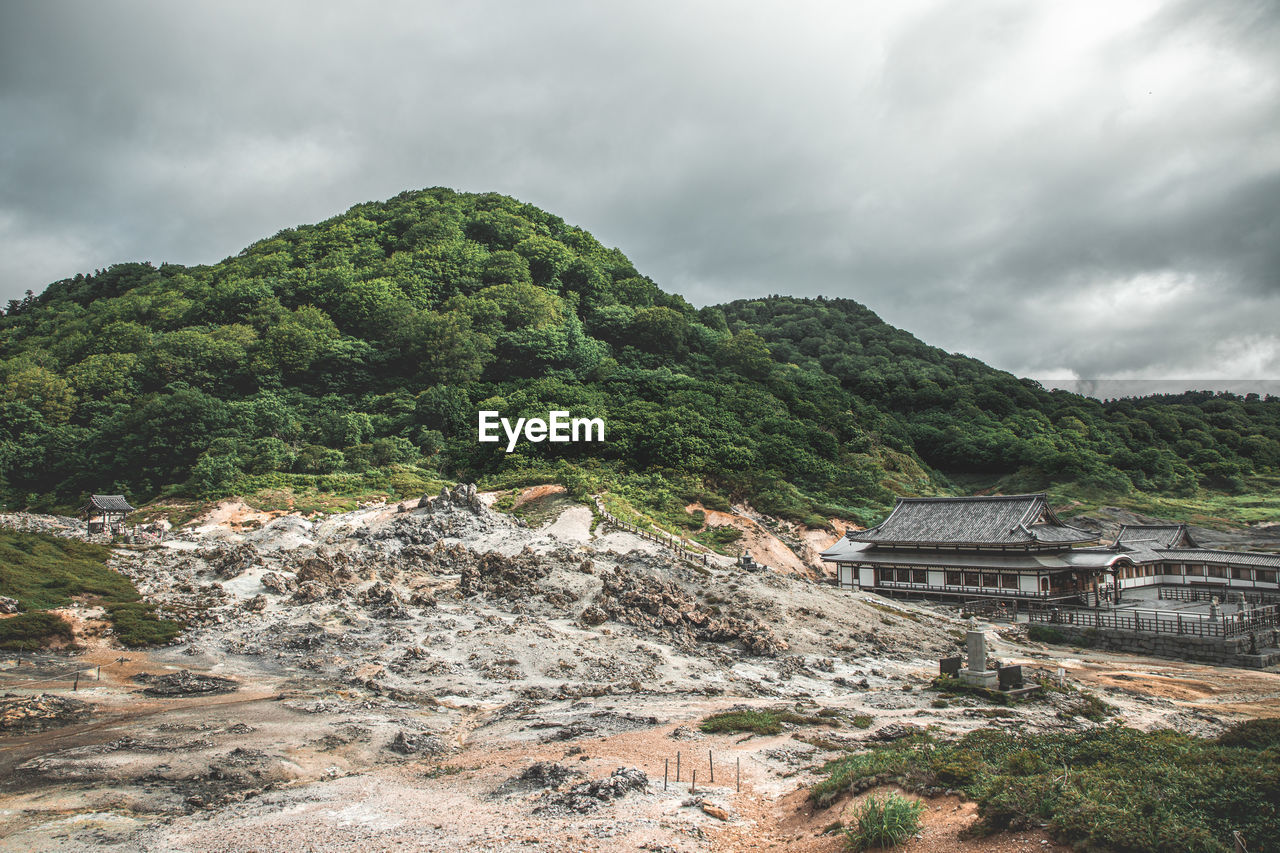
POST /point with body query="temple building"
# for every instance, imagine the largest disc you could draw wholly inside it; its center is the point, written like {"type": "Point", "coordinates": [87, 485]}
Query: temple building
{"type": "Point", "coordinates": [1015, 547]}
{"type": "Point", "coordinates": [106, 513]}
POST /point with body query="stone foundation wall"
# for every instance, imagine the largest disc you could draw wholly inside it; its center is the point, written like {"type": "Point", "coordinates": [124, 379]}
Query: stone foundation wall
{"type": "Point", "coordinates": [1228, 652]}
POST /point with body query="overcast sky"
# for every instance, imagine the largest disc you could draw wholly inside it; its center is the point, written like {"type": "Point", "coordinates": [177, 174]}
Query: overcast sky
{"type": "Point", "coordinates": [1061, 189]}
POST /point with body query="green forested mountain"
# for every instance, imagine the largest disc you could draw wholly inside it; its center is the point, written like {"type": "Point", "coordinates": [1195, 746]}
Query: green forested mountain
{"type": "Point", "coordinates": [355, 353]}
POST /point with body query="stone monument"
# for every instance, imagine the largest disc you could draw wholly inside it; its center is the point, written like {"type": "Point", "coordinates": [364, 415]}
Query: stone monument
{"type": "Point", "coordinates": [976, 673]}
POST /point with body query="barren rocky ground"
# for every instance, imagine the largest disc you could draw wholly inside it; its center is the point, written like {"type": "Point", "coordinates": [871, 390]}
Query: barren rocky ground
{"type": "Point", "coordinates": [445, 676]}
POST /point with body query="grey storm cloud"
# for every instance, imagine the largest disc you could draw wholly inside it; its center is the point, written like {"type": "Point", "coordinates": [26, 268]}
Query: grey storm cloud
{"type": "Point", "coordinates": [1062, 189]}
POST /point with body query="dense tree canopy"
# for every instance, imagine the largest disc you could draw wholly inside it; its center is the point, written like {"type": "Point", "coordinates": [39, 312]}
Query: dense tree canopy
{"type": "Point", "coordinates": [367, 343]}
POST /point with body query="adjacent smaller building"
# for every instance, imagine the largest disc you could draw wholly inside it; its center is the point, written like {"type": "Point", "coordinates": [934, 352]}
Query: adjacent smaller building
{"type": "Point", "coordinates": [106, 513]}
{"type": "Point", "coordinates": [1015, 547]}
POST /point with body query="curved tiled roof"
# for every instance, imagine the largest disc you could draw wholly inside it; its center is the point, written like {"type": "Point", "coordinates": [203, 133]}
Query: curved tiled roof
{"type": "Point", "coordinates": [109, 503]}
{"type": "Point", "coordinates": [986, 520]}
{"type": "Point", "coordinates": [1264, 559]}
{"type": "Point", "coordinates": [1154, 536]}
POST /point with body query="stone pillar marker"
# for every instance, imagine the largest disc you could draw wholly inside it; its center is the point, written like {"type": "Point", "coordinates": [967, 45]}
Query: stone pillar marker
{"type": "Point", "coordinates": [977, 674]}
{"type": "Point", "coordinates": [977, 646]}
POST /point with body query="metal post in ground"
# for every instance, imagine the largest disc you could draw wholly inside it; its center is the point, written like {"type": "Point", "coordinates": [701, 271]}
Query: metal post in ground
{"type": "Point", "coordinates": [712, 767]}
{"type": "Point", "coordinates": [693, 785]}
{"type": "Point", "coordinates": [677, 768]}
{"type": "Point", "coordinates": [666, 765]}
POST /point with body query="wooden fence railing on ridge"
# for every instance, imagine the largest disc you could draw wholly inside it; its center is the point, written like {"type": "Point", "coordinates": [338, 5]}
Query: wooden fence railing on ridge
{"type": "Point", "coordinates": [672, 543]}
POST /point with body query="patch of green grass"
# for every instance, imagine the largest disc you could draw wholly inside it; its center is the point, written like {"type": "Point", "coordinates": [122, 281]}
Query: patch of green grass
{"type": "Point", "coordinates": [860, 721]}
{"type": "Point", "coordinates": [719, 538]}
{"type": "Point", "coordinates": [136, 624]}
{"type": "Point", "coordinates": [44, 572]}
{"type": "Point", "coordinates": [950, 684]}
{"type": "Point", "coordinates": [1090, 707]}
{"type": "Point", "coordinates": [1106, 788]}
{"type": "Point", "coordinates": [507, 502]}
{"type": "Point", "coordinates": [31, 631]}
{"type": "Point", "coordinates": [894, 611]}
{"type": "Point", "coordinates": [842, 774]}
{"type": "Point", "coordinates": [760, 722]}
{"type": "Point", "coordinates": [884, 822]}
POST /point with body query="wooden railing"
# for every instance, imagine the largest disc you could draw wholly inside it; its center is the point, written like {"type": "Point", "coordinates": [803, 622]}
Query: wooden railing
{"type": "Point", "coordinates": [1160, 621]}
{"type": "Point", "coordinates": [976, 592]}
{"type": "Point", "coordinates": [1208, 591]}
{"type": "Point", "coordinates": [672, 543]}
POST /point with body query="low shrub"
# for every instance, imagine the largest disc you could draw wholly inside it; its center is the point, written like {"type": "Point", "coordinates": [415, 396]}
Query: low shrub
{"type": "Point", "coordinates": [761, 722]}
{"type": "Point", "coordinates": [1045, 634]}
{"type": "Point", "coordinates": [955, 769]}
{"type": "Point", "coordinates": [137, 625]}
{"type": "Point", "coordinates": [1105, 788]}
{"type": "Point", "coordinates": [30, 631]}
{"type": "Point", "coordinates": [1253, 734]}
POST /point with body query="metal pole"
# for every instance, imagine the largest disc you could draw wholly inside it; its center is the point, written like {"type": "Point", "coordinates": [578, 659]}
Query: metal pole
{"type": "Point", "coordinates": [677, 767]}
{"type": "Point", "coordinates": [693, 786]}
{"type": "Point", "coordinates": [666, 764]}
{"type": "Point", "coordinates": [712, 766]}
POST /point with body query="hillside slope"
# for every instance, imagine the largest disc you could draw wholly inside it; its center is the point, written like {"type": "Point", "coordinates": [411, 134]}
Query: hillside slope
{"type": "Point", "coordinates": [354, 354]}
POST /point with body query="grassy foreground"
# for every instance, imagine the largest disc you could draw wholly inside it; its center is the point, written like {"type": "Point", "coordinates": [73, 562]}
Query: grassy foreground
{"type": "Point", "coordinates": [1107, 788]}
{"type": "Point", "coordinates": [44, 572]}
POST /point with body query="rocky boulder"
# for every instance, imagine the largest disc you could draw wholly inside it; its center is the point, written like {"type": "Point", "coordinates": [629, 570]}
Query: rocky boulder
{"type": "Point", "coordinates": [650, 602]}
{"type": "Point", "coordinates": [277, 583]}
{"type": "Point", "coordinates": [37, 713]}
{"type": "Point", "coordinates": [232, 561]}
